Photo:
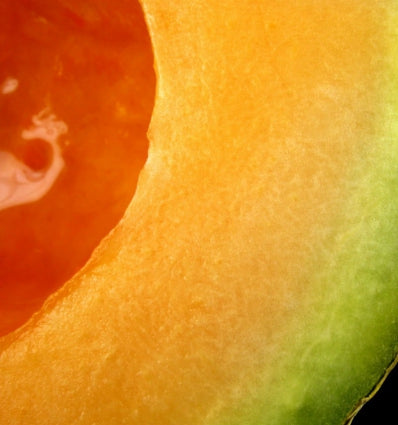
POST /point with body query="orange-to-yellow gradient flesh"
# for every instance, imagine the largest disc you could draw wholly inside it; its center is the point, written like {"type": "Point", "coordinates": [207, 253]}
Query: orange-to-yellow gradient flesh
{"type": "Point", "coordinates": [252, 279]}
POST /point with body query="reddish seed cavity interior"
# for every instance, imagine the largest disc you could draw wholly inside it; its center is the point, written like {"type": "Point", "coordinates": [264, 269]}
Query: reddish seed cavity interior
{"type": "Point", "coordinates": [37, 154]}
{"type": "Point", "coordinates": [76, 95]}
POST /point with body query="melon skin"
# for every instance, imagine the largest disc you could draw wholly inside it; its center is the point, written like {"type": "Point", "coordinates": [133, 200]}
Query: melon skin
{"type": "Point", "coordinates": [253, 278]}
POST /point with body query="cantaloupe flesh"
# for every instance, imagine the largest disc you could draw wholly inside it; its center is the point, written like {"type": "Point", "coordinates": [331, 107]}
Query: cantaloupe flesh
{"type": "Point", "coordinates": [252, 279]}
{"type": "Point", "coordinates": [100, 85]}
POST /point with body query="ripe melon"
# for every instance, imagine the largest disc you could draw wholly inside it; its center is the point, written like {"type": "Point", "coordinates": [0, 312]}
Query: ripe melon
{"type": "Point", "coordinates": [252, 278]}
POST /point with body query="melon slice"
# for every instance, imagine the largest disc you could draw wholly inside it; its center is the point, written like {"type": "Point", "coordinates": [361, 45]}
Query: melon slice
{"type": "Point", "coordinates": [252, 279]}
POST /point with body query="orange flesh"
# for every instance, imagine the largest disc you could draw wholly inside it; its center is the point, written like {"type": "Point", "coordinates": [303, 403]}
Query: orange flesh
{"type": "Point", "coordinates": [91, 68]}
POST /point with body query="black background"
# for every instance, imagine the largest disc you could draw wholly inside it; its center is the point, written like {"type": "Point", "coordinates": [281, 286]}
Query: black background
{"type": "Point", "coordinates": [382, 409]}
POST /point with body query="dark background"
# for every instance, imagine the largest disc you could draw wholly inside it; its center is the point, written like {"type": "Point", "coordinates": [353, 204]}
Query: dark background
{"type": "Point", "coordinates": [383, 408]}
